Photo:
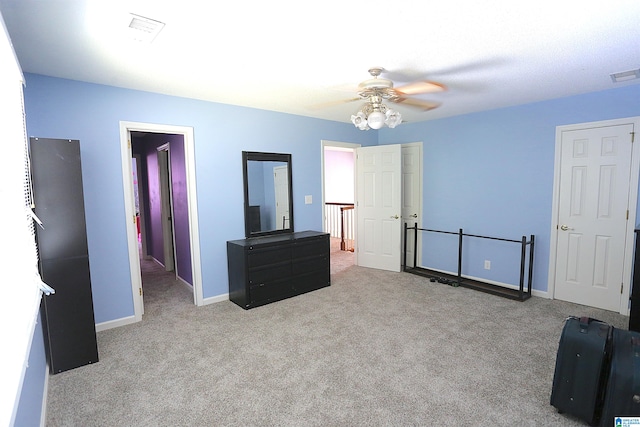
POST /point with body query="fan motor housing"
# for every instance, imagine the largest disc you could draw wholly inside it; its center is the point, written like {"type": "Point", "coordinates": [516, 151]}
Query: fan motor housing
{"type": "Point", "coordinates": [376, 84]}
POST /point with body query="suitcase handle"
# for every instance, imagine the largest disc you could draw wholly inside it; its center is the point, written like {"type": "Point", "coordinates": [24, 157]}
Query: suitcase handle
{"type": "Point", "coordinates": [584, 324]}
{"type": "Point", "coordinates": [585, 321]}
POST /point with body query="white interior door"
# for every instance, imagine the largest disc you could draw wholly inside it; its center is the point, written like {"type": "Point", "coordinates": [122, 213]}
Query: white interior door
{"type": "Point", "coordinates": [592, 216]}
{"type": "Point", "coordinates": [378, 207]}
{"type": "Point", "coordinates": [411, 197]}
{"type": "Point", "coordinates": [164, 170]}
{"type": "Point", "coordinates": [281, 185]}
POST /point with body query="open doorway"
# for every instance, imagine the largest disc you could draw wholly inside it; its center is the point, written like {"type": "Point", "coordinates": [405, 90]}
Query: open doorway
{"type": "Point", "coordinates": [338, 194]}
{"type": "Point", "coordinates": [177, 157]}
{"type": "Point", "coordinates": [340, 170]}
{"type": "Point", "coordinates": [165, 230]}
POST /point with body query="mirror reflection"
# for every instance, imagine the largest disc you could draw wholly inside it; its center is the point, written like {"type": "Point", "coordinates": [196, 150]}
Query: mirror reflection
{"type": "Point", "coordinates": [268, 208]}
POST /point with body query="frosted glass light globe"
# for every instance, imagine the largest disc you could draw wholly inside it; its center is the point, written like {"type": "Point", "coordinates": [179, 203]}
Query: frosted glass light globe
{"type": "Point", "coordinates": [376, 119]}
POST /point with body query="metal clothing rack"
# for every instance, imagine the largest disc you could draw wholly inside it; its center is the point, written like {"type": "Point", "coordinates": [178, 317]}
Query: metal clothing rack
{"type": "Point", "coordinates": [520, 294]}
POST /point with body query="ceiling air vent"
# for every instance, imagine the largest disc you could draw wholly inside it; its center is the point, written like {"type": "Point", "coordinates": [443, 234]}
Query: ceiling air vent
{"type": "Point", "coordinates": [144, 29]}
{"type": "Point", "coordinates": [623, 76]}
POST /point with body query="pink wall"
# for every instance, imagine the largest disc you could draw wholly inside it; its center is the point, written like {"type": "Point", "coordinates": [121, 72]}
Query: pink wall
{"type": "Point", "coordinates": [339, 179]}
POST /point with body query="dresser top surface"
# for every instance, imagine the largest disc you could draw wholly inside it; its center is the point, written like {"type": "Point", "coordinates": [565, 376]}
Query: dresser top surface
{"type": "Point", "coordinates": [277, 238]}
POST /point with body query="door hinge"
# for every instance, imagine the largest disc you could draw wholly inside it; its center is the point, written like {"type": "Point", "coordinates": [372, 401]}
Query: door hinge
{"type": "Point", "coordinates": [621, 287]}
{"type": "Point", "coordinates": [633, 136]}
{"type": "Point", "coordinates": [140, 291]}
{"type": "Point", "coordinates": [627, 214]}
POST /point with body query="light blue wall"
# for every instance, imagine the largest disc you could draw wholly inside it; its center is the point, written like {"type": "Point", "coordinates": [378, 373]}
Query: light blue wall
{"type": "Point", "coordinates": [59, 108]}
{"type": "Point", "coordinates": [491, 173]}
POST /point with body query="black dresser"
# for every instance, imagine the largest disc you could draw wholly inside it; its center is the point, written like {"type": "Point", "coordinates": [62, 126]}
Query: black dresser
{"type": "Point", "coordinates": [271, 268]}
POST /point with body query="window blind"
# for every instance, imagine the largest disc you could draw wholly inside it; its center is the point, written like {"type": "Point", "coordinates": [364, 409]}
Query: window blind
{"type": "Point", "coordinates": [20, 299]}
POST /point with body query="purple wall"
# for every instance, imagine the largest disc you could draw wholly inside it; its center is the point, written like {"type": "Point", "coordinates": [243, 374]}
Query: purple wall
{"type": "Point", "coordinates": [147, 146]}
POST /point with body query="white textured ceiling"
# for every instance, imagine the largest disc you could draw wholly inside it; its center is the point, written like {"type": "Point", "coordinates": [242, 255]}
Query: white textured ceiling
{"type": "Point", "coordinates": [290, 56]}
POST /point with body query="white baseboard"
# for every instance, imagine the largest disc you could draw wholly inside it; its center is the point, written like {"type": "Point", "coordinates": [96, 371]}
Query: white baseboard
{"type": "Point", "coordinates": [131, 319]}
{"type": "Point", "coordinates": [534, 292]}
{"type": "Point", "coordinates": [540, 294]}
{"type": "Point", "coordinates": [155, 260]}
{"type": "Point", "coordinates": [217, 298]}
{"type": "Point", "coordinates": [45, 397]}
{"type": "Point", "coordinates": [115, 323]}
{"type": "Point", "coordinates": [185, 283]}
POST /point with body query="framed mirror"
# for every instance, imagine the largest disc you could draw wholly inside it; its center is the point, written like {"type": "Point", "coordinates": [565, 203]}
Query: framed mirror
{"type": "Point", "coordinates": [268, 195]}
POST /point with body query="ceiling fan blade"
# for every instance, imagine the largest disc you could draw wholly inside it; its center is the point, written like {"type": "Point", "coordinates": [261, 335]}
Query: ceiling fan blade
{"type": "Point", "coordinates": [468, 67]}
{"type": "Point", "coordinates": [418, 103]}
{"type": "Point", "coordinates": [333, 103]}
{"type": "Point", "coordinates": [422, 86]}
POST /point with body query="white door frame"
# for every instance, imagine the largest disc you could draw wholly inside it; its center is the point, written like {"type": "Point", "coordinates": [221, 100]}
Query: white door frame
{"type": "Point", "coordinates": [166, 208]}
{"type": "Point", "coordinates": [633, 202]}
{"type": "Point", "coordinates": [194, 235]}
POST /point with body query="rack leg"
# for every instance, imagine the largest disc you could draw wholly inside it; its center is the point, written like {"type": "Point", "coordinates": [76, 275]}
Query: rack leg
{"type": "Point", "coordinates": [415, 244]}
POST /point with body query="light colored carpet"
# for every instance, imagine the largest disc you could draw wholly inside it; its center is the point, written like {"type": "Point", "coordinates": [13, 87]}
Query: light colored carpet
{"type": "Point", "coordinates": [374, 349]}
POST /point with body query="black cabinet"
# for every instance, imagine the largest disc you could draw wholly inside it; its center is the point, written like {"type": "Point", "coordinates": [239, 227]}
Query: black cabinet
{"type": "Point", "coordinates": [271, 268]}
{"type": "Point", "coordinates": [67, 315]}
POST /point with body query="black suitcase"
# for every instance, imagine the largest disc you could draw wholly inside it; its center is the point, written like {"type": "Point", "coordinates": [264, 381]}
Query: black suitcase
{"type": "Point", "coordinates": [622, 397]}
{"type": "Point", "coordinates": [582, 366]}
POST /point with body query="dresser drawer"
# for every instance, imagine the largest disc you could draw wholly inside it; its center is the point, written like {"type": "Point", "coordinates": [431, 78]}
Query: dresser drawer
{"type": "Point", "coordinates": [308, 265]}
{"type": "Point", "coordinates": [311, 282]}
{"type": "Point", "coordinates": [270, 273]}
{"type": "Point", "coordinates": [311, 247]}
{"type": "Point", "coordinates": [270, 255]}
{"type": "Point", "coordinates": [266, 292]}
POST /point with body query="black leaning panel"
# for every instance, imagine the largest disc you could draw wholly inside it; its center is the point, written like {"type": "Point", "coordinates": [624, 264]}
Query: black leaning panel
{"type": "Point", "coordinates": [67, 315]}
{"type": "Point", "coordinates": [58, 197]}
{"type": "Point", "coordinates": [69, 312]}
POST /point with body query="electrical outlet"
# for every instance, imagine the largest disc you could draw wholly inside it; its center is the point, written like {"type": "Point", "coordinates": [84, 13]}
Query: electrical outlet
{"type": "Point", "coordinates": [487, 264]}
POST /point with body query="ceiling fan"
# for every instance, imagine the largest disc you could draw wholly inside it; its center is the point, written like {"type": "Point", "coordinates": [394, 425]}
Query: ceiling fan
{"type": "Point", "coordinates": [375, 114]}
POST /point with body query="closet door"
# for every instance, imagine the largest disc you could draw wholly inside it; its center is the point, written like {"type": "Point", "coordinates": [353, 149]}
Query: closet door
{"type": "Point", "coordinates": [68, 320]}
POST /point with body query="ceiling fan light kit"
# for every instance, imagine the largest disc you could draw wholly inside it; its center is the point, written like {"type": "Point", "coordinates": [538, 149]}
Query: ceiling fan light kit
{"type": "Point", "coordinates": [374, 114]}
{"type": "Point", "coordinates": [374, 117]}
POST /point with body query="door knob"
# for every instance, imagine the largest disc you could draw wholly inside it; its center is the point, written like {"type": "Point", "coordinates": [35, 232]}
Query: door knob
{"type": "Point", "coordinates": [395, 216]}
{"type": "Point", "coordinates": [565, 227]}
{"type": "Point", "coordinates": [414, 216]}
